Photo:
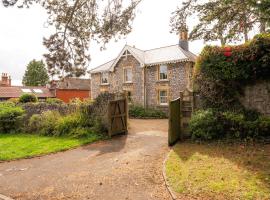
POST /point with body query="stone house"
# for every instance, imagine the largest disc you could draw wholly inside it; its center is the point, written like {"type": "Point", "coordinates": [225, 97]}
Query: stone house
{"type": "Point", "coordinates": [150, 78]}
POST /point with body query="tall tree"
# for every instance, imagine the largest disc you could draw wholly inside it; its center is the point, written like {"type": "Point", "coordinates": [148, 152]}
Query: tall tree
{"type": "Point", "coordinates": [36, 74]}
{"type": "Point", "coordinates": [224, 20]}
{"type": "Point", "coordinates": [76, 23]}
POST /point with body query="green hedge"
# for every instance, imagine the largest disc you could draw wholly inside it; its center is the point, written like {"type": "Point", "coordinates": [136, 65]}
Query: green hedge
{"type": "Point", "coordinates": [10, 117]}
{"type": "Point", "coordinates": [140, 112]}
{"type": "Point", "coordinates": [212, 124]}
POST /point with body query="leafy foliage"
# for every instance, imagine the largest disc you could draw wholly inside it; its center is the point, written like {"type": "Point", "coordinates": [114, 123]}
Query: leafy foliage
{"type": "Point", "coordinates": [227, 21]}
{"type": "Point", "coordinates": [54, 101]}
{"type": "Point", "coordinates": [36, 74]}
{"type": "Point", "coordinates": [136, 111]}
{"type": "Point", "coordinates": [77, 22]}
{"type": "Point", "coordinates": [45, 123]}
{"type": "Point", "coordinates": [10, 117]}
{"type": "Point", "coordinates": [211, 124]}
{"type": "Point", "coordinates": [220, 79]}
{"type": "Point", "coordinates": [28, 98]}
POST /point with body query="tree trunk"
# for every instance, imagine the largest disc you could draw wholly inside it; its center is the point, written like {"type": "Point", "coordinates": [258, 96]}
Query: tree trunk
{"type": "Point", "coordinates": [262, 26]}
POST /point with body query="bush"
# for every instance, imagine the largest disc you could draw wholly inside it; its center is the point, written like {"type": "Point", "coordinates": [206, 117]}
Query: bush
{"type": "Point", "coordinates": [14, 100]}
{"type": "Point", "coordinates": [136, 111]}
{"type": "Point", "coordinates": [205, 125]}
{"type": "Point", "coordinates": [68, 124]}
{"type": "Point", "coordinates": [27, 98]}
{"type": "Point", "coordinates": [220, 79]}
{"type": "Point", "coordinates": [10, 117]}
{"type": "Point", "coordinates": [54, 101]}
{"type": "Point", "coordinates": [210, 124]}
{"type": "Point", "coordinates": [45, 123]}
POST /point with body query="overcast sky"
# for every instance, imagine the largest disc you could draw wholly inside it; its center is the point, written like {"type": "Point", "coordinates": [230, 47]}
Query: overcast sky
{"type": "Point", "coordinates": [22, 30]}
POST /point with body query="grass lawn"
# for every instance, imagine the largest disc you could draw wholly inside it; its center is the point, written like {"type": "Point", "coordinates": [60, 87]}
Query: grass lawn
{"type": "Point", "coordinates": [14, 146]}
{"type": "Point", "coordinates": [220, 171]}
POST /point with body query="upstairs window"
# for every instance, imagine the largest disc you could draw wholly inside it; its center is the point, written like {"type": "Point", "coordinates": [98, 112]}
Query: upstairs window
{"type": "Point", "coordinates": [163, 72]}
{"type": "Point", "coordinates": [105, 78]}
{"type": "Point", "coordinates": [128, 75]}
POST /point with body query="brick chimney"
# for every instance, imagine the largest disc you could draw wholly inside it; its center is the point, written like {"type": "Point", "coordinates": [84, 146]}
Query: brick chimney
{"type": "Point", "coordinates": [5, 80]}
{"type": "Point", "coordinates": [183, 39]}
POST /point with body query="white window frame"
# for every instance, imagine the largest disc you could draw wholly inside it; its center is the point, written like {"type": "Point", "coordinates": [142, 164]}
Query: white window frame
{"type": "Point", "coordinates": [161, 97]}
{"type": "Point", "coordinates": [102, 78]}
{"type": "Point", "coordinates": [126, 69]}
{"type": "Point", "coordinates": [159, 73]}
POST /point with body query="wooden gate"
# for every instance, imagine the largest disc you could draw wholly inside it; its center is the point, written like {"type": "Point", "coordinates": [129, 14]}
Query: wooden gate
{"type": "Point", "coordinates": [174, 122]}
{"type": "Point", "coordinates": [118, 116]}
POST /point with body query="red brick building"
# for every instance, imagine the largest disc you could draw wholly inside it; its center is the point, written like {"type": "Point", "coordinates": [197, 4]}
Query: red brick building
{"type": "Point", "coordinates": [71, 88]}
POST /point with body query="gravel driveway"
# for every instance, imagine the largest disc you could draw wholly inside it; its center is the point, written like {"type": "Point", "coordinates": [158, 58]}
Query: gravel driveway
{"type": "Point", "coordinates": [126, 167]}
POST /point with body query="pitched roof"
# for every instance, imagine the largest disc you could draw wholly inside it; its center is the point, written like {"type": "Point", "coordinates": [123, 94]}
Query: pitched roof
{"type": "Point", "coordinates": [17, 91]}
{"type": "Point", "coordinates": [74, 84]}
{"type": "Point", "coordinates": [163, 55]}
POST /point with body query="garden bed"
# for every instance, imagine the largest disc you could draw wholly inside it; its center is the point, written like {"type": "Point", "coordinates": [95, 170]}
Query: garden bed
{"type": "Point", "coordinates": [16, 146]}
{"type": "Point", "coordinates": [219, 171]}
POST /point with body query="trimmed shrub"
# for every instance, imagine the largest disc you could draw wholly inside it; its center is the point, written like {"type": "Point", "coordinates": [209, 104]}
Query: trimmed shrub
{"type": "Point", "coordinates": [54, 101]}
{"type": "Point", "coordinates": [10, 117]}
{"type": "Point", "coordinates": [27, 98]}
{"type": "Point", "coordinates": [140, 112]}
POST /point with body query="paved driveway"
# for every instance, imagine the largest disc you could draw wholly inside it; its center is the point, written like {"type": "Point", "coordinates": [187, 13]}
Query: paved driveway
{"type": "Point", "coordinates": [126, 167]}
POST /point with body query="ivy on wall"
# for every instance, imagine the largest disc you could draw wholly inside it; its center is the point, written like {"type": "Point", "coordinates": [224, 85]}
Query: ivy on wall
{"type": "Point", "coordinates": [221, 73]}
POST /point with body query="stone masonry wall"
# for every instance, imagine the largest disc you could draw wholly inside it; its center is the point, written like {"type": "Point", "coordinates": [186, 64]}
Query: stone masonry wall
{"type": "Point", "coordinates": [116, 80]}
{"type": "Point", "coordinates": [177, 81]}
{"type": "Point", "coordinates": [257, 97]}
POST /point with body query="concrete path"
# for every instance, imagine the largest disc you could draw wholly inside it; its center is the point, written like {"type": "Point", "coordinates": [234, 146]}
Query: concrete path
{"type": "Point", "coordinates": [124, 168]}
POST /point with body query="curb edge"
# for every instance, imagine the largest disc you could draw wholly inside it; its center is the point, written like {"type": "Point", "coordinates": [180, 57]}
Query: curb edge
{"type": "Point", "coordinates": [172, 194]}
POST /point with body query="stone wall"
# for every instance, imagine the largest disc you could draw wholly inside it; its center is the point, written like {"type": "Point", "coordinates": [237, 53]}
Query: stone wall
{"type": "Point", "coordinates": [178, 75]}
{"type": "Point", "coordinates": [257, 97]}
{"type": "Point", "coordinates": [38, 108]}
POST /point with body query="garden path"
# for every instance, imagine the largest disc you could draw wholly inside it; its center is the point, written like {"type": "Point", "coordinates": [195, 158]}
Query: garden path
{"type": "Point", "coordinates": [126, 167]}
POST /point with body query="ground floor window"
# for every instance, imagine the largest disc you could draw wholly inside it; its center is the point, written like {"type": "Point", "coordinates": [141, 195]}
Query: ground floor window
{"type": "Point", "coordinates": [163, 97]}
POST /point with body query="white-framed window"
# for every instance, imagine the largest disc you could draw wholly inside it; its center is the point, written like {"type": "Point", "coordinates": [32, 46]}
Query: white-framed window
{"type": "Point", "coordinates": [128, 75]}
{"type": "Point", "coordinates": [163, 97]}
{"type": "Point", "coordinates": [163, 72]}
{"type": "Point", "coordinates": [105, 78]}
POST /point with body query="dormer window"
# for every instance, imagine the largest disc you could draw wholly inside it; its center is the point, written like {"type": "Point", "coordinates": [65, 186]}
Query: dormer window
{"type": "Point", "coordinates": [163, 72]}
{"type": "Point", "coordinates": [105, 78]}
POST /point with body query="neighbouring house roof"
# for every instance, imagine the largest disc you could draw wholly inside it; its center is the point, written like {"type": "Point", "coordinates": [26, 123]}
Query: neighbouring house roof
{"type": "Point", "coordinates": [17, 91]}
{"type": "Point", "coordinates": [74, 84]}
{"type": "Point", "coordinates": [163, 55]}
